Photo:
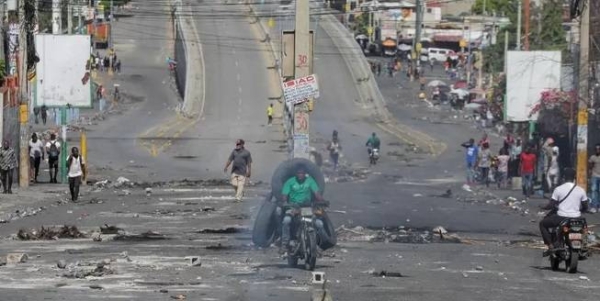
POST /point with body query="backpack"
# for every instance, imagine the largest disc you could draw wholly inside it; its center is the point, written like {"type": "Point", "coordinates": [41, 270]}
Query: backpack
{"type": "Point", "coordinates": [53, 152]}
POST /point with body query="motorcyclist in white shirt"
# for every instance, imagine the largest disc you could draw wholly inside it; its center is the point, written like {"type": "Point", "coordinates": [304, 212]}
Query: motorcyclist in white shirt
{"type": "Point", "coordinates": [568, 201]}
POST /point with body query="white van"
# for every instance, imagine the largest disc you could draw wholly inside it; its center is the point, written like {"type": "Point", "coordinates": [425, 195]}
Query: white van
{"type": "Point", "coordinates": [440, 54]}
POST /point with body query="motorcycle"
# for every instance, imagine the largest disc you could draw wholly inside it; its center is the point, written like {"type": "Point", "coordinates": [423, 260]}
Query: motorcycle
{"type": "Point", "coordinates": [570, 241]}
{"type": "Point", "coordinates": [304, 244]}
{"type": "Point", "coordinates": [374, 156]}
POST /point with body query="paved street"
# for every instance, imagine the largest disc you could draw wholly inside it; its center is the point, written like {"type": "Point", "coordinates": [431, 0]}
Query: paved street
{"type": "Point", "coordinates": [385, 215]}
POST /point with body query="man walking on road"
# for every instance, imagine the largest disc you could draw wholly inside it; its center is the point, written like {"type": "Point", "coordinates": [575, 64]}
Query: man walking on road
{"type": "Point", "coordinates": [53, 150]}
{"type": "Point", "coordinates": [44, 111]}
{"type": "Point", "coordinates": [36, 155]}
{"type": "Point", "coordinates": [8, 162]}
{"type": "Point", "coordinates": [240, 169]}
{"type": "Point", "coordinates": [76, 171]}
{"type": "Point", "coordinates": [270, 115]}
{"type": "Point", "coordinates": [527, 169]}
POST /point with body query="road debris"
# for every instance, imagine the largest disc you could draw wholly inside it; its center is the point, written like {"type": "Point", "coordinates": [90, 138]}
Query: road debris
{"type": "Point", "coordinates": [228, 230]}
{"type": "Point", "coordinates": [479, 268]}
{"type": "Point", "coordinates": [149, 235]}
{"type": "Point", "coordinates": [179, 297]}
{"type": "Point", "coordinates": [397, 235]}
{"type": "Point", "coordinates": [96, 287]}
{"type": "Point", "coordinates": [107, 229]}
{"type": "Point", "coordinates": [61, 264]}
{"type": "Point", "coordinates": [194, 261]}
{"type": "Point", "coordinates": [384, 274]}
{"type": "Point", "coordinates": [99, 271]}
{"type": "Point", "coordinates": [122, 182]}
{"type": "Point", "coordinates": [15, 258]}
{"type": "Point", "coordinates": [21, 213]}
{"type": "Point", "coordinates": [51, 233]}
{"type": "Point", "coordinates": [96, 237]}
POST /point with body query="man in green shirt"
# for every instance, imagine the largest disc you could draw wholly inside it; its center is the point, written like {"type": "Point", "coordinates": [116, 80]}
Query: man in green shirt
{"type": "Point", "coordinates": [298, 191]}
{"type": "Point", "coordinates": [373, 142]}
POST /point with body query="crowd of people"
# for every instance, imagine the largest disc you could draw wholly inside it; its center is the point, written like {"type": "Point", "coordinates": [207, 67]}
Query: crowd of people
{"type": "Point", "coordinates": [513, 161]}
{"type": "Point", "coordinates": [107, 62]}
{"type": "Point", "coordinates": [42, 151]}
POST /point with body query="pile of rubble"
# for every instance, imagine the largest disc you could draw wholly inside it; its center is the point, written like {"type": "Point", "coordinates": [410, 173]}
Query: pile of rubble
{"type": "Point", "coordinates": [397, 235]}
{"type": "Point", "coordinates": [76, 271]}
{"type": "Point", "coordinates": [123, 182]}
{"type": "Point", "coordinates": [344, 173]}
{"type": "Point", "coordinates": [50, 233]}
{"type": "Point", "coordinates": [482, 196]}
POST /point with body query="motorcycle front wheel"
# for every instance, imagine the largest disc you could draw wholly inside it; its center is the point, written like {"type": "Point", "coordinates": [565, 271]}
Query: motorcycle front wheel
{"type": "Point", "coordinates": [554, 262]}
{"type": "Point", "coordinates": [310, 251]}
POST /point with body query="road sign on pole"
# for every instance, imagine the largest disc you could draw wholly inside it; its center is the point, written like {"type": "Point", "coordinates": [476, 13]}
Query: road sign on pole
{"type": "Point", "coordinates": [299, 90]}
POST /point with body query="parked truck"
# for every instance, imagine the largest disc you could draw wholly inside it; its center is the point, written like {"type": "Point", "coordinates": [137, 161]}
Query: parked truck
{"type": "Point", "coordinates": [100, 34]}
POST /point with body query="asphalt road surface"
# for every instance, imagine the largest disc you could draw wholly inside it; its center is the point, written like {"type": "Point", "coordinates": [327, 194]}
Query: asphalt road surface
{"type": "Point", "coordinates": [180, 219]}
{"type": "Point", "coordinates": [490, 253]}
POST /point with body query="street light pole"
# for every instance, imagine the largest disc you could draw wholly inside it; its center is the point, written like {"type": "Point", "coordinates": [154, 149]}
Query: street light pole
{"type": "Point", "coordinates": [301, 69]}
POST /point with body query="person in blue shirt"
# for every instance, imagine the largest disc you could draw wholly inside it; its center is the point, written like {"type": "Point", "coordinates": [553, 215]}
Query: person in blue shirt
{"type": "Point", "coordinates": [471, 159]}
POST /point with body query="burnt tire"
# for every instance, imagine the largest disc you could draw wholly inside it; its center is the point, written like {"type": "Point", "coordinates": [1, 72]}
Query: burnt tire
{"type": "Point", "coordinates": [287, 169]}
{"type": "Point", "coordinates": [329, 240]}
{"type": "Point", "coordinates": [264, 231]}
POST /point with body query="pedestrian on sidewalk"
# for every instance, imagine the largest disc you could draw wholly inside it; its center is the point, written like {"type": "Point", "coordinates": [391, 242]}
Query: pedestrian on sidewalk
{"type": "Point", "coordinates": [527, 169]}
{"type": "Point", "coordinates": [241, 165]}
{"type": "Point", "coordinates": [36, 113]}
{"type": "Point", "coordinates": [431, 64]}
{"type": "Point", "coordinates": [594, 162]}
{"type": "Point", "coordinates": [8, 163]}
{"type": "Point", "coordinates": [270, 115]}
{"type": "Point", "coordinates": [470, 159]}
{"type": "Point", "coordinates": [44, 112]}
{"type": "Point", "coordinates": [36, 155]}
{"type": "Point", "coordinates": [53, 151]}
{"type": "Point", "coordinates": [76, 172]}
{"type": "Point", "coordinates": [118, 66]}
{"type": "Point", "coordinates": [378, 68]}
{"type": "Point", "coordinates": [422, 81]}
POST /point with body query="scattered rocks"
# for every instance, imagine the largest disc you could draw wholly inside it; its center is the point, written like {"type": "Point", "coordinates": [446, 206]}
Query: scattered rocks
{"type": "Point", "coordinates": [106, 229]}
{"type": "Point", "coordinates": [16, 258]}
{"type": "Point", "coordinates": [96, 237]}
{"type": "Point", "coordinates": [479, 268]}
{"type": "Point", "coordinates": [61, 264]}
{"type": "Point", "coordinates": [122, 182]}
{"type": "Point", "coordinates": [229, 230]}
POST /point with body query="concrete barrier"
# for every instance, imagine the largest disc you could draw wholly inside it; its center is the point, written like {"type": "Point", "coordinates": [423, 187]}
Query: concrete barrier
{"type": "Point", "coordinates": [194, 94]}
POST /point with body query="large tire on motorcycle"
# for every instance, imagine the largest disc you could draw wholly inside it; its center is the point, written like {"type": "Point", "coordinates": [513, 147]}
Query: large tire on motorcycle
{"type": "Point", "coordinates": [264, 231]}
{"type": "Point", "coordinates": [331, 240]}
{"type": "Point", "coordinates": [572, 263]}
{"type": "Point", "coordinates": [287, 169]}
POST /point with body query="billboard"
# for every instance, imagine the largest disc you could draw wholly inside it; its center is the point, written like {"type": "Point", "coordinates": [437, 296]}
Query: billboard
{"type": "Point", "coordinates": [528, 74]}
{"type": "Point", "coordinates": [62, 72]}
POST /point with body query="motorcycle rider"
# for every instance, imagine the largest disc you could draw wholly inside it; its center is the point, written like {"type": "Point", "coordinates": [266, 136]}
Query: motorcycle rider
{"type": "Point", "coordinates": [298, 191]}
{"type": "Point", "coordinates": [373, 143]}
{"type": "Point", "coordinates": [568, 201]}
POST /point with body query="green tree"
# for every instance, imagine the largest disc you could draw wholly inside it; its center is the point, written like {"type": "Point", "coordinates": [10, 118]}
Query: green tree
{"type": "Point", "coordinates": [552, 36]}
{"type": "Point", "coordinates": [106, 3]}
{"type": "Point", "coordinates": [361, 24]}
{"type": "Point", "coordinates": [500, 7]}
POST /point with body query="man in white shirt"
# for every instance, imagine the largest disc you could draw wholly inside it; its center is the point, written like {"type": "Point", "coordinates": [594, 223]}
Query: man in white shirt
{"type": "Point", "coordinates": [53, 150]}
{"type": "Point", "coordinates": [76, 171]}
{"type": "Point", "coordinates": [570, 200]}
{"type": "Point", "coordinates": [36, 155]}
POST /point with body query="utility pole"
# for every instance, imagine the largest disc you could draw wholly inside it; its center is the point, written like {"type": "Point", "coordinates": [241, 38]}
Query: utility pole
{"type": "Point", "coordinates": [23, 100]}
{"type": "Point", "coordinates": [583, 93]}
{"type": "Point", "coordinates": [506, 34]}
{"type": "Point", "coordinates": [56, 17]}
{"type": "Point", "coordinates": [80, 12]}
{"type": "Point", "coordinates": [70, 17]}
{"type": "Point", "coordinates": [519, 22]}
{"type": "Point", "coordinates": [301, 69]}
{"type": "Point", "coordinates": [527, 19]}
{"type": "Point", "coordinates": [417, 41]}
{"type": "Point", "coordinates": [112, 15]}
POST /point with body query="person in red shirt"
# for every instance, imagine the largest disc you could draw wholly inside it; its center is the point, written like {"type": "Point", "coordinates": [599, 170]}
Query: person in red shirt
{"type": "Point", "coordinates": [527, 168]}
